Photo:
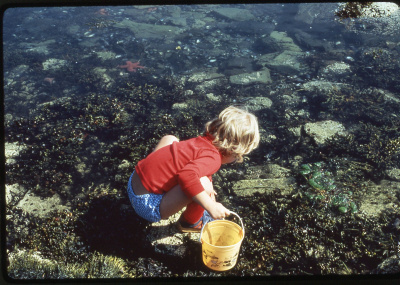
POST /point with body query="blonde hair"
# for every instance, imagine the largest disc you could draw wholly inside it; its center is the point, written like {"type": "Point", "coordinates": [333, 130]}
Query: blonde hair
{"type": "Point", "coordinates": [235, 131]}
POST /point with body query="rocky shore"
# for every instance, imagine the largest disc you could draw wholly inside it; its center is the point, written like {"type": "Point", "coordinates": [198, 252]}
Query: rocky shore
{"type": "Point", "coordinates": [321, 195]}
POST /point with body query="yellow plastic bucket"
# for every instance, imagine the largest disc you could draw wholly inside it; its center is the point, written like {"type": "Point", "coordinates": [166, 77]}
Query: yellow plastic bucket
{"type": "Point", "coordinates": [221, 241]}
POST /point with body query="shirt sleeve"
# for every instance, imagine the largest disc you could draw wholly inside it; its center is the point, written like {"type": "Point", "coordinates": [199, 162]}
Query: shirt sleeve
{"type": "Point", "coordinates": [205, 165]}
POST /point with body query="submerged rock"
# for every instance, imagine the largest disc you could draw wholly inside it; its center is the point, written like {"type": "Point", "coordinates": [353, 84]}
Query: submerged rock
{"type": "Point", "coordinates": [287, 62]}
{"type": "Point", "coordinates": [234, 14]}
{"type": "Point", "coordinates": [336, 70]}
{"type": "Point", "coordinates": [321, 131]}
{"type": "Point", "coordinates": [53, 64]}
{"type": "Point", "coordinates": [143, 30]}
{"type": "Point", "coordinates": [262, 76]}
{"type": "Point", "coordinates": [258, 103]}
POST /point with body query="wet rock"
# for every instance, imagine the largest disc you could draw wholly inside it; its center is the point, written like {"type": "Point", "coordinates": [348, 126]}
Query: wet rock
{"type": "Point", "coordinates": [41, 47]}
{"type": "Point", "coordinates": [207, 80]}
{"type": "Point", "coordinates": [322, 86]}
{"type": "Point", "coordinates": [40, 206]}
{"type": "Point", "coordinates": [144, 30]}
{"type": "Point", "coordinates": [287, 62]}
{"type": "Point", "coordinates": [180, 106]}
{"type": "Point", "coordinates": [312, 42]}
{"type": "Point", "coordinates": [335, 70]}
{"type": "Point", "coordinates": [204, 76]}
{"type": "Point", "coordinates": [380, 197]}
{"type": "Point", "coordinates": [284, 42]}
{"type": "Point", "coordinates": [14, 193]}
{"type": "Point", "coordinates": [249, 28]}
{"type": "Point", "coordinates": [390, 265]}
{"type": "Point", "coordinates": [105, 55]}
{"type": "Point", "coordinates": [213, 97]}
{"type": "Point", "coordinates": [258, 103]}
{"type": "Point", "coordinates": [11, 150]}
{"type": "Point", "coordinates": [313, 13]}
{"type": "Point", "coordinates": [383, 9]}
{"type": "Point", "coordinates": [246, 188]}
{"type": "Point", "coordinates": [166, 239]}
{"type": "Point", "coordinates": [262, 76]}
{"type": "Point", "coordinates": [389, 96]}
{"type": "Point", "coordinates": [321, 131]}
{"type": "Point", "coordinates": [106, 81]}
{"type": "Point", "coordinates": [393, 173]}
{"type": "Point", "coordinates": [53, 64]}
{"type": "Point", "coordinates": [82, 169]}
{"type": "Point", "coordinates": [234, 14]}
{"type": "Point", "coordinates": [237, 65]}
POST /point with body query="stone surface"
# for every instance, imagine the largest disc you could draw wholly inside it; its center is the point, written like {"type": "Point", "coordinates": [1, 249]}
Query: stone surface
{"type": "Point", "coordinates": [284, 42]}
{"type": "Point", "coordinates": [143, 30]}
{"type": "Point", "coordinates": [204, 76]}
{"type": "Point", "coordinates": [393, 173]}
{"type": "Point", "coordinates": [262, 76]}
{"type": "Point", "coordinates": [321, 131]}
{"type": "Point", "coordinates": [53, 64]}
{"type": "Point", "coordinates": [322, 86]}
{"type": "Point", "coordinates": [106, 80]}
{"type": "Point", "coordinates": [310, 13]}
{"type": "Point", "coordinates": [234, 14]}
{"type": "Point", "coordinates": [335, 70]}
{"type": "Point", "coordinates": [40, 206]}
{"type": "Point", "coordinates": [12, 150]}
{"type": "Point", "coordinates": [286, 62]}
{"type": "Point", "coordinates": [245, 188]}
{"type": "Point", "coordinates": [380, 197]}
{"type": "Point", "coordinates": [258, 103]}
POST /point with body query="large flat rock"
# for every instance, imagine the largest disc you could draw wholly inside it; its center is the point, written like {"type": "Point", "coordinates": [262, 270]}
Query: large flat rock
{"type": "Point", "coordinates": [246, 188]}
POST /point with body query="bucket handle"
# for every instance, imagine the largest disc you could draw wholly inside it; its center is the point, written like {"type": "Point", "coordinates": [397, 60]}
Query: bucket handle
{"type": "Point", "coordinates": [230, 212]}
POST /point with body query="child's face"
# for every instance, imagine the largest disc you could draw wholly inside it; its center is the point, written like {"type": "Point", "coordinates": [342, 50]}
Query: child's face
{"type": "Point", "coordinates": [229, 158]}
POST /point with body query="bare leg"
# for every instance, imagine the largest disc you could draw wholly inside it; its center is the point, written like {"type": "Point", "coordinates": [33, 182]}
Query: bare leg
{"type": "Point", "coordinates": [175, 199]}
{"type": "Point", "coordinates": [166, 140]}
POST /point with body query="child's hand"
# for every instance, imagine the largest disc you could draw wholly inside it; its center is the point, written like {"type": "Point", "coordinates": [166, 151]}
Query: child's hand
{"type": "Point", "coordinates": [219, 211]}
{"type": "Point", "coordinates": [215, 209]}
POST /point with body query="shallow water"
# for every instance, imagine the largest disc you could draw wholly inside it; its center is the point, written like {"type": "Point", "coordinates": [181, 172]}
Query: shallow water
{"type": "Point", "coordinates": [88, 92]}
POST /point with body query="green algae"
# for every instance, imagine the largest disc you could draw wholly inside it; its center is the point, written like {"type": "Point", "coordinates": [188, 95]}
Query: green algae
{"type": "Point", "coordinates": [324, 190]}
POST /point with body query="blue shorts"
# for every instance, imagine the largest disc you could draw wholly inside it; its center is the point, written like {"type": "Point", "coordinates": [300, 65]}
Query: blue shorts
{"type": "Point", "coordinates": [147, 206]}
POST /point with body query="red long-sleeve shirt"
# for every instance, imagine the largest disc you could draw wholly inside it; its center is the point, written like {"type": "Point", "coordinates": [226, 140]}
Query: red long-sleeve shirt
{"type": "Point", "coordinates": [182, 163]}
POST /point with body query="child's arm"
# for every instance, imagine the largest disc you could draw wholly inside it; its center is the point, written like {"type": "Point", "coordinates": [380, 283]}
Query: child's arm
{"type": "Point", "coordinates": [215, 209]}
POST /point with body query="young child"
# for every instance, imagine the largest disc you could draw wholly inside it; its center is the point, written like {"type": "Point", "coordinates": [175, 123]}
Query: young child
{"type": "Point", "coordinates": [178, 173]}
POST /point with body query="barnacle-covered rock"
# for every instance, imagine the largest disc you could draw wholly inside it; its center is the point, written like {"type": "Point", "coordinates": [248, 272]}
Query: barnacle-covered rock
{"type": "Point", "coordinates": [245, 188]}
{"type": "Point", "coordinates": [321, 131]}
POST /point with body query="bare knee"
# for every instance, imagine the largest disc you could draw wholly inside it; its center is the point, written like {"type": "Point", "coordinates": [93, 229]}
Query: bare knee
{"type": "Point", "coordinates": [166, 140]}
{"type": "Point", "coordinates": [169, 139]}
